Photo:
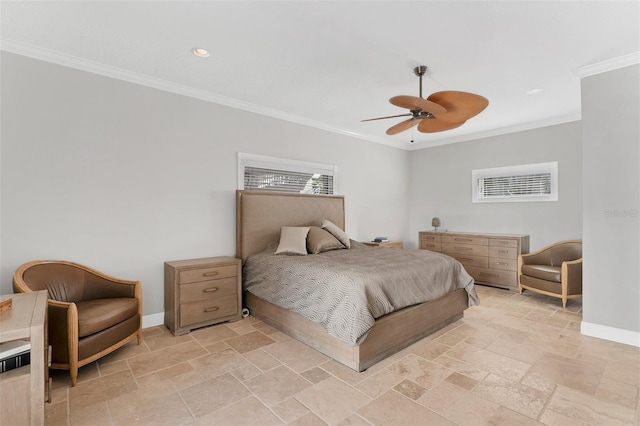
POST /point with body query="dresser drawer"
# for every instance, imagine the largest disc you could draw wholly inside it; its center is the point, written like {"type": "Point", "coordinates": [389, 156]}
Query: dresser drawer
{"type": "Point", "coordinates": [430, 245]}
{"type": "Point", "coordinates": [471, 260]}
{"type": "Point", "coordinates": [459, 248]}
{"type": "Point", "coordinates": [494, 276]}
{"type": "Point", "coordinates": [506, 242]}
{"type": "Point", "coordinates": [504, 252]}
{"type": "Point", "coordinates": [429, 237]}
{"type": "Point", "coordinates": [465, 239]}
{"type": "Point", "coordinates": [208, 289]}
{"type": "Point", "coordinates": [208, 310]}
{"type": "Point", "coordinates": [206, 274]}
{"type": "Point", "coordinates": [504, 264]}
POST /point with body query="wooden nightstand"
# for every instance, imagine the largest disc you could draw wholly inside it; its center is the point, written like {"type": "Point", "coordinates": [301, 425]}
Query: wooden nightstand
{"type": "Point", "coordinates": [387, 244]}
{"type": "Point", "coordinates": [201, 292]}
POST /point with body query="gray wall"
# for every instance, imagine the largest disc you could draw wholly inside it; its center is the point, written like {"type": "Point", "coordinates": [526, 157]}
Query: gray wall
{"type": "Point", "coordinates": [440, 185]}
{"type": "Point", "coordinates": [611, 159]}
{"type": "Point", "coordinates": [122, 177]}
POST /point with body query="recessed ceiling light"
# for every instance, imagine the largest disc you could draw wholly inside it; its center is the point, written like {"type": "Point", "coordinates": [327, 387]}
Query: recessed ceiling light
{"type": "Point", "coordinates": [534, 91]}
{"type": "Point", "coordinates": [200, 52]}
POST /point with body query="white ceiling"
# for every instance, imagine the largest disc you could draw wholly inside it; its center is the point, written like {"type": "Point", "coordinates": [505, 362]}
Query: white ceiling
{"type": "Point", "coordinates": [330, 64]}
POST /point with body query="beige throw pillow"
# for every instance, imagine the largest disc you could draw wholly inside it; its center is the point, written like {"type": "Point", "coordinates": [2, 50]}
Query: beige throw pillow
{"type": "Point", "coordinates": [319, 241]}
{"type": "Point", "coordinates": [293, 240]}
{"type": "Point", "coordinates": [336, 232]}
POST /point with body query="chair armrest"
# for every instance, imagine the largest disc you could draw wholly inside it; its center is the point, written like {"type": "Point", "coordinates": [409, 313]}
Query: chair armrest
{"type": "Point", "coordinates": [571, 272]}
{"type": "Point", "coordinates": [63, 330]}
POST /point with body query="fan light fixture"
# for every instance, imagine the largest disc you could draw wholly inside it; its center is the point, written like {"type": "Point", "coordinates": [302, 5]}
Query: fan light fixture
{"type": "Point", "coordinates": [440, 111]}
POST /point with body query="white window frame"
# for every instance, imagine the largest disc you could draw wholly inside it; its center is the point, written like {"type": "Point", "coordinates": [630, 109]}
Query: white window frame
{"type": "Point", "coordinates": [265, 162]}
{"type": "Point", "coordinates": [520, 170]}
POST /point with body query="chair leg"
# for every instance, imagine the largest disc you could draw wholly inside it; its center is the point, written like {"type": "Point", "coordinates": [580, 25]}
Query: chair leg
{"type": "Point", "coordinates": [73, 372]}
{"type": "Point", "coordinates": [564, 302]}
{"type": "Point", "coordinates": [139, 336]}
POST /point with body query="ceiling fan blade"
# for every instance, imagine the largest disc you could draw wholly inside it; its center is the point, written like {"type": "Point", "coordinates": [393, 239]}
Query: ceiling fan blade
{"type": "Point", "coordinates": [434, 125]}
{"type": "Point", "coordinates": [460, 106]}
{"type": "Point", "coordinates": [402, 126]}
{"type": "Point", "coordinates": [413, 102]}
{"type": "Point", "coordinates": [391, 116]}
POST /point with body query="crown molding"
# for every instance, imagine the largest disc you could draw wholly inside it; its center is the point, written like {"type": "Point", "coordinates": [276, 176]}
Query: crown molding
{"type": "Point", "coordinates": [609, 65]}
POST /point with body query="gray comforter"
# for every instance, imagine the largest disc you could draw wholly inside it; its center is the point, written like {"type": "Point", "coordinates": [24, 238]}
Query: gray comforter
{"type": "Point", "coordinates": [346, 290]}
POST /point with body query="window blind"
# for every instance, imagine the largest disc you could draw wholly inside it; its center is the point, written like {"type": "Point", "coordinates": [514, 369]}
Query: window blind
{"type": "Point", "coordinates": [269, 179]}
{"type": "Point", "coordinates": [509, 186]}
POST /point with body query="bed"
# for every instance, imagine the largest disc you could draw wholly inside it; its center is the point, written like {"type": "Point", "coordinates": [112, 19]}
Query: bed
{"type": "Point", "coordinates": [260, 216]}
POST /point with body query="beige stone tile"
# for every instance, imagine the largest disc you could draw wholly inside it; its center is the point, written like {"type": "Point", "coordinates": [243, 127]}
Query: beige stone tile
{"type": "Point", "coordinates": [158, 405]}
{"type": "Point", "coordinates": [580, 374]}
{"type": "Point", "coordinates": [166, 374]}
{"type": "Point", "coordinates": [289, 410]}
{"type": "Point", "coordinates": [262, 360]}
{"type": "Point", "coordinates": [354, 420]}
{"type": "Point", "coordinates": [477, 334]}
{"type": "Point", "coordinates": [506, 417]}
{"type": "Point", "coordinates": [162, 340]}
{"type": "Point", "coordinates": [379, 383]}
{"type": "Point", "coordinates": [458, 405]}
{"type": "Point", "coordinates": [618, 393]}
{"type": "Point", "coordinates": [353, 377]}
{"type": "Point", "coordinates": [624, 368]}
{"type": "Point", "coordinates": [153, 331]}
{"type": "Point", "coordinates": [215, 333]}
{"type": "Point", "coordinates": [129, 350]}
{"type": "Point", "coordinates": [391, 408]}
{"type": "Point", "coordinates": [216, 347]}
{"type": "Point", "coordinates": [106, 369]}
{"type": "Point", "coordinates": [101, 389]}
{"type": "Point", "coordinates": [315, 374]}
{"type": "Point", "coordinates": [246, 372]}
{"type": "Point", "coordinates": [218, 363]}
{"type": "Point", "coordinates": [56, 413]}
{"type": "Point", "coordinates": [249, 342]}
{"type": "Point", "coordinates": [429, 349]}
{"type": "Point", "coordinates": [276, 385]}
{"type": "Point", "coordinates": [244, 322]}
{"type": "Point", "coordinates": [516, 350]}
{"type": "Point", "coordinates": [248, 411]}
{"type": "Point", "coordinates": [332, 400]}
{"type": "Point", "coordinates": [588, 409]}
{"type": "Point", "coordinates": [410, 389]}
{"type": "Point", "coordinates": [95, 414]}
{"type": "Point", "coordinates": [421, 371]}
{"type": "Point", "coordinates": [211, 395]}
{"type": "Point", "coordinates": [246, 329]}
{"type": "Point", "coordinates": [460, 380]}
{"type": "Point", "coordinates": [512, 394]}
{"type": "Point", "coordinates": [451, 338]}
{"type": "Point", "coordinates": [462, 367]}
{"type": "Point", "coordinates": [264, 328]}
{"type": "Point", "coordinates": [59, 393]}
{"type": "Point", "coordinates": [295, 355]}
{"type": "Point", "coordinates": [164, 358]}
{"type": "Point", "coordinates": [551, 418]}
{"type": "Point", "coordinates": [86, 373]}
{"type": "Point", "coordinates": [490, 361]}
{"type": "Point", "coordinates": [308, 419]}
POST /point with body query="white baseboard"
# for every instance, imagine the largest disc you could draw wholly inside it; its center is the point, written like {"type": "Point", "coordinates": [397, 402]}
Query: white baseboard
{"type": "Point", "coordinates": [152, 320]}
{"type": "Point", "coordinates": [610, 333]}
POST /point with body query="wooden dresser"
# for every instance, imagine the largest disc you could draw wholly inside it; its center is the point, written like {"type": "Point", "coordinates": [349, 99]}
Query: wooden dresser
{"type": "Point", "coordinates": [201, 292]}
{"type": "Point", "coordinates": [488, 258]}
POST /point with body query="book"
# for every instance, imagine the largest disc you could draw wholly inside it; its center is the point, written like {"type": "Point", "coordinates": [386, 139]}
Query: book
{"type": "Point", "coordinates": [14, 354]}
{"type": "Point", "coordinates": [380, 239]}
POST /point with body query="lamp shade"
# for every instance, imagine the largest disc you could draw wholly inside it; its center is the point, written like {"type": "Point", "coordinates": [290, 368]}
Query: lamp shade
{"type": "Point", "coordinates": [435, 222]}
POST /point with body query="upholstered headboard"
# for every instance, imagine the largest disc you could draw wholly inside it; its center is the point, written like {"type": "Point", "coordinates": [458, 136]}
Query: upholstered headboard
{"type": "Point", "coordinates": [260, 214]}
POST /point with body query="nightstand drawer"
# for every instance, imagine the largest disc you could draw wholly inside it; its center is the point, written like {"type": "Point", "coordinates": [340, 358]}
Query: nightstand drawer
{"type": "Point", "coordinates": [504, 252]}
{"type": "Point", "coordinates": [458, 248]}
{"type": "Point", "coordinates": [208, 289]}
{"type": "Point", "coordinates": [207, 310]}
{"type": "Point", "coordinates": [206, 274]}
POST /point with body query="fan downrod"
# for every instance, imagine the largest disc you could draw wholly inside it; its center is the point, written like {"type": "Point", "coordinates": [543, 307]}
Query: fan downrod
{"type": "Point", "coordinates": [420, 70]}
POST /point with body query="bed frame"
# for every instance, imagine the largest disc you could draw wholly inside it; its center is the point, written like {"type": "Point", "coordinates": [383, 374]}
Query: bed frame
{"type": "Point", "coordinates": [259, 216]}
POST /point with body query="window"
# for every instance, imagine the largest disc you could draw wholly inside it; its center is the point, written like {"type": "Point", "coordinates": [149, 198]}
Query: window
{"type": "Point", "coordinates": [528, 182]}
{"type": "Point", "coordinates": [277, 174]}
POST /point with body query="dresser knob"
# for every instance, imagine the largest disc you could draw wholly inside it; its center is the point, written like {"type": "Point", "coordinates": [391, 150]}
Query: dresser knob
{"type": "Point", "coordinates": [210, 274]}
{"type": "Point", "coordinates": [210, 290]}
{"type": "Point", "coordinates": [213, 309]}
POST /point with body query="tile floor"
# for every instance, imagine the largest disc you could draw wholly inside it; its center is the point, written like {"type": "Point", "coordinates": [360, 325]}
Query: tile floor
{"type": "Point", "coordinates": [514, 360]}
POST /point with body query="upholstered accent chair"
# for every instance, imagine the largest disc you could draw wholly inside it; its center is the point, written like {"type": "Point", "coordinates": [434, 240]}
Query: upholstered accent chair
{"type": "Point", "coordinates": [90, 314]}
{"type": "Point", "coordinates": [555, 270]}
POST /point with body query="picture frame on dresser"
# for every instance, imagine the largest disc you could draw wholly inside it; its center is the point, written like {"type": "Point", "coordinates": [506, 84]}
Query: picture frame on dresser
{"type": "Point", "coordinates": [490, 259]}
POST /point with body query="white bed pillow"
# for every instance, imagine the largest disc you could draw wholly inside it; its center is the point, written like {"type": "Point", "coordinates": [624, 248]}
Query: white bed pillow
{"type": "Point", "coordinates": [336, 232]}
{"type": "Point", "coordinates": [293, 240]}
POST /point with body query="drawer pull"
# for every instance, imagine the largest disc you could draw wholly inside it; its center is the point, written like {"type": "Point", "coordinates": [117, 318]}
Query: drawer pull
{"type": "Point", "coordinates": [501, 242]}
{"type": "Point", "coordinates": [466, 259]}
{"type": "Point", "coordinates": [462, 239]}
{"type": "Point", "coordinates": [210, 290]}
{"type": "Point", "coordinates": [213, 309]}
{"type": "Point", "coordinates": [464, 248]}
{"type": "Point", "coordinates": [503, 251]}
{"type": "Point", "coordinates": [489, 275]}
{"type": "Point", "coordinates": [210, 274]}
{"type": "Point", "coordinates": [502, 263]}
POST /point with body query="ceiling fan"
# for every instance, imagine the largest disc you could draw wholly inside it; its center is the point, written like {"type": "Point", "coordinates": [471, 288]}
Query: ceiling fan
{"type": "Point", "coordinates": [440, 111]}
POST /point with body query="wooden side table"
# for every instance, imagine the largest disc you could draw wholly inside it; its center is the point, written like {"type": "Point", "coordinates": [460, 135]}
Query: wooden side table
{"type": "Point", "coordinates": [386, 244]}
{"type": "Point", "coordinates": [22, 390]}
{"type": "Point", "coordinates": [201, 292]}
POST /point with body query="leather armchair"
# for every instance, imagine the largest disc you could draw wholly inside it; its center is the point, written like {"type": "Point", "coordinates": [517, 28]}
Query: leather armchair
{"type": "Point", "coordinates": [555, 270]}
{"type": "Point", "coordinates": [90, 314]}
